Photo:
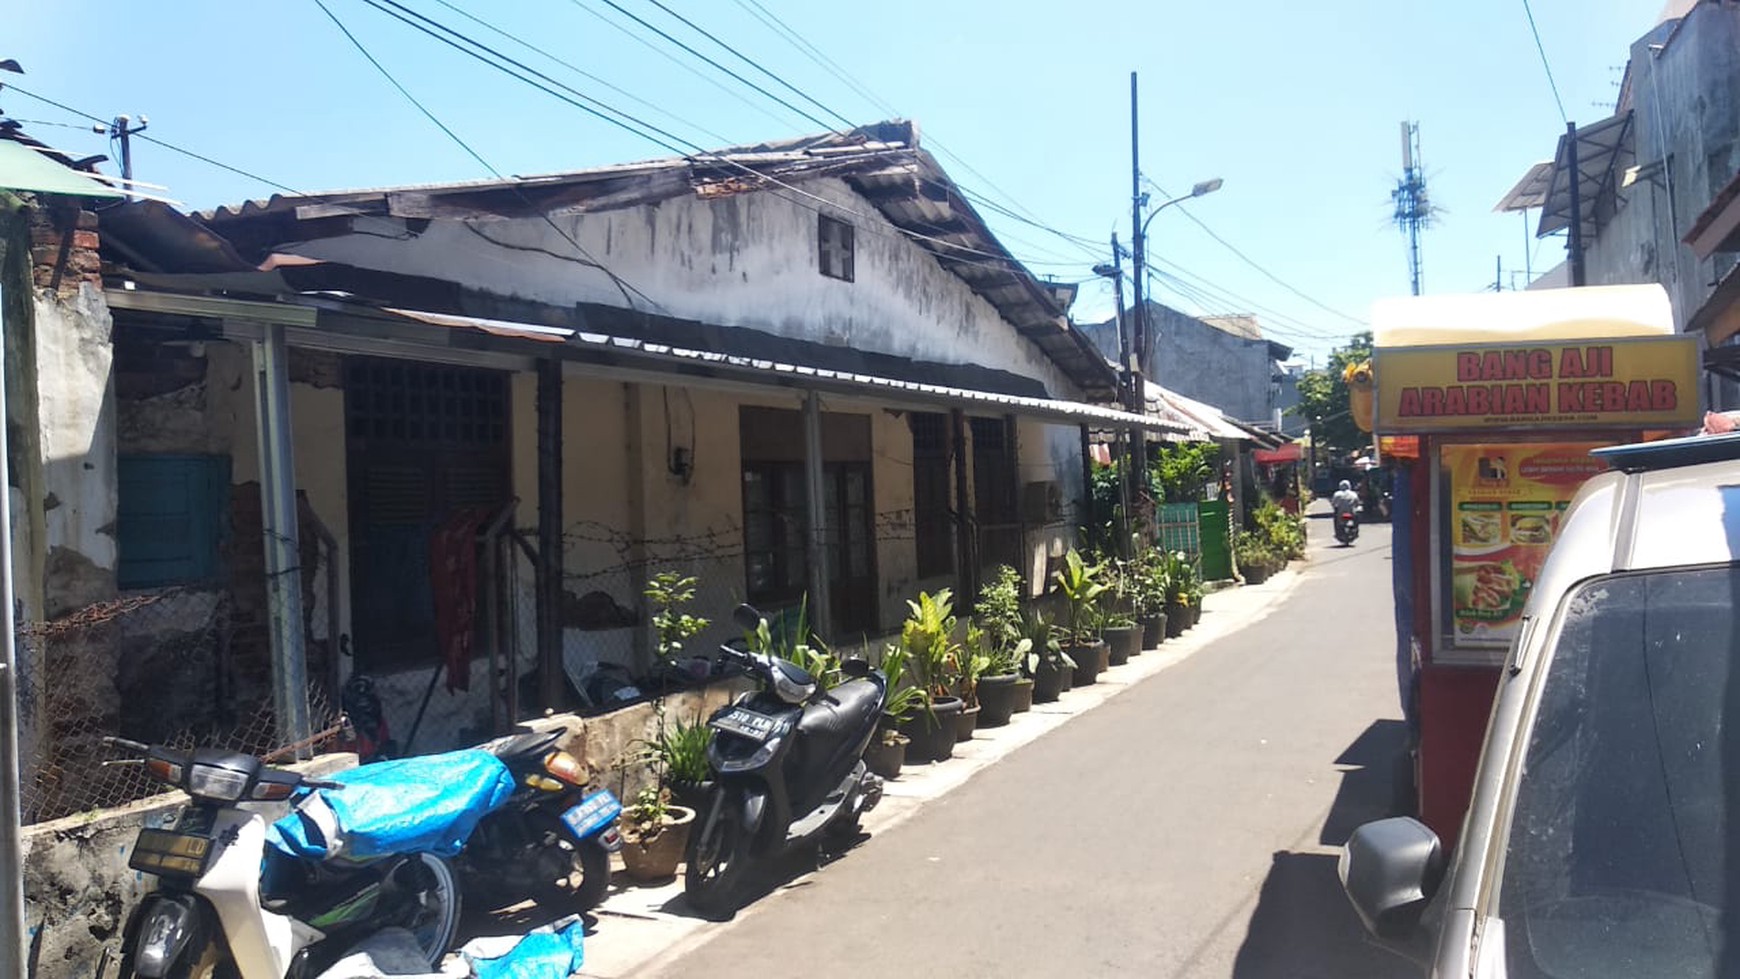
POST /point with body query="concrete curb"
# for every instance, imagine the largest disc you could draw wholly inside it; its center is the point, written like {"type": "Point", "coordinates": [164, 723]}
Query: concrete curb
{"type": "Point", "coordinates": [636, 931]}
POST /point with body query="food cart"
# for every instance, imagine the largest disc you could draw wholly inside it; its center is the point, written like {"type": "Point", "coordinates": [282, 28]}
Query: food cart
{"type": "Point", "coordinates": [1488, 406]}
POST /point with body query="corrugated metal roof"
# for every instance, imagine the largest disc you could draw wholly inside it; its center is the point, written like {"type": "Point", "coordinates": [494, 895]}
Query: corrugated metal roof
{"type": "Point", "coordinates": [783, 373]}
{"type": "Point", "coordinates": [881, 162]}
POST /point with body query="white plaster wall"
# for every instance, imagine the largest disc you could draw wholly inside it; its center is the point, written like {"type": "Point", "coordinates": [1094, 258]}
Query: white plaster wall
{"type": "Point", "coordinates": [77, 414]}
{"type": "Point", "coordinates": [749, 260]}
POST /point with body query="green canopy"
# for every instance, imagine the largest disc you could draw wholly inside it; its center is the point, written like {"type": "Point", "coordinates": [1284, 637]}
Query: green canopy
{"type": "Point", "coordinates": [23, 168]}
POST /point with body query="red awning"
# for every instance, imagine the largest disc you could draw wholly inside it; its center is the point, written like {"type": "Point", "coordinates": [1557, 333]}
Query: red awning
{"type": "Point", "coordinates": [1291, 452]}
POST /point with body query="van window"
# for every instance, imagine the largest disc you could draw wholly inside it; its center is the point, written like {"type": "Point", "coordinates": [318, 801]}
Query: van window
{"type": "Point", "coordinates": [1616, 862]}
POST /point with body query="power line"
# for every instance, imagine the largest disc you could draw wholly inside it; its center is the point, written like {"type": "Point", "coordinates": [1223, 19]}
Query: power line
{"type": "Point", "coordinates": [815, 54]}
{"type": "Point", "coordinates": [495, 59]}
{"type": "Point", "coordinates": [1549, 68]}
{"type": "Point", "coordinates": [155, 141]}
{"type": "Point", "coordinates": [582, 72]}
{"type": "Point", "coordinates": [612, 4]}
{"type": "Point", "coordinates": [751, 62]}
{"type": "Point", "coordinates": [1253, 263]}
{"type": "Point", "coordinates": [616, 280]}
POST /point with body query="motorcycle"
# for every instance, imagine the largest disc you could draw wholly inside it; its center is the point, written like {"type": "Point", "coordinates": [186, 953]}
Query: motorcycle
{"type": "Point", "coordinates": [238, 897]}
{"type": "Point", "coordinates": [549, 830]}
{"type": "Point", "coordinates": [787, 769]}
{"type": "Point", "coordinates": [1347, 526]}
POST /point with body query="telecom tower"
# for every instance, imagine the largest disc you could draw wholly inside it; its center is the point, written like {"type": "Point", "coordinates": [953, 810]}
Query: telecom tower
{"type": "Point", "coordinates": [1413, 209]}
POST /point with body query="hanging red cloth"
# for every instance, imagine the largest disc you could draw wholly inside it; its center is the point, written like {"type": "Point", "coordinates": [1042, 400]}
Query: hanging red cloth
{"type": "Point", "coordinates": [453, 580]}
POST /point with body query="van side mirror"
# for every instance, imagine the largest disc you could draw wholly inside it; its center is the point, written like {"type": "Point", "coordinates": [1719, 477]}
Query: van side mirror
{"type": "Point", "coordinates": [1390, 869]}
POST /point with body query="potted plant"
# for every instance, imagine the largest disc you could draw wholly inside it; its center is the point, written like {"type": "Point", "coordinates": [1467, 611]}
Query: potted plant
{"type": "Point", "coordinates": [1151, 585]}
{"type": "Point", "coordinates": [928, 638]}
{"type": "Point", "coordinates": [886, 752]}
{"type": "Point", "coordinates": [1256, 560]}
{"type": "Point", "coordinates": [1081, 586]}
{"type": "Point", "coordinates": [683, 755]}
{"type": "Point", "coordinates": [1119, 628]}
{"type": "Point", "coordinates": [1177, 594]}
{"type": "Point", "coordinates": [654, 834]}
{"type": "Point", "coordinates": [1003, 690]}
{"type": "Point", "coordinates": [1049, 667]}
{"type": "Point", "coordinates": [970, 663]}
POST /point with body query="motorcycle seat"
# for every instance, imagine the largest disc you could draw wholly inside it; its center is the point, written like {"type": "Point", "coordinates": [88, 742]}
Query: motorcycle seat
{"type": "Point", "coordinates": [521, 751]}
{"type": "Point", "coordinates": [843, 711]}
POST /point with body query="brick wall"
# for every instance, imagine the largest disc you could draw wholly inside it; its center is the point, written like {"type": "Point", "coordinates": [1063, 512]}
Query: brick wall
{"type": "Point", "coordinates": [63, 246]}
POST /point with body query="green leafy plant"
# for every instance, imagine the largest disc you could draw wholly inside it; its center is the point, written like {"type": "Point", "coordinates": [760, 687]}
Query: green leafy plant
{"type": "Point", "coordinates": [1284, 532]}
{"type": "Point", "coordinates": [1081, 586]}
{"type": "Point", "coordinates": [904, 696]}
{"type": "Point", "coordinates": [644, 818]}
{"type": "Point", "coordinates": [683, 752]}
{"type": "Point", "coordinates": [998, 614]}
{"type": "Point", "coordinates": [790, 638]}
{"type": "Point", "coordinates": [971, 662]}
{"type": "Point", "coordinates": [1181, 470]}
{"type": "Point", "coordinates": [1149, 582]}
{"type": "Point", "coordinates": [669, 591]}
{"type": "Point", "coordinates": [1039, 644]}
{"type": "Point", "coordinates": [928, 637]}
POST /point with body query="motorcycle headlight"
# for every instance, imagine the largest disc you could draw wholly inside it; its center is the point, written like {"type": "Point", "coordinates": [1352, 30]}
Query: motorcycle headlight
{"type": "Point", "coordinates": [216, 784]}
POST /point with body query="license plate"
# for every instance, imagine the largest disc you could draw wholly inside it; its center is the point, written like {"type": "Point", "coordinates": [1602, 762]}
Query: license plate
{"type": "Point", "coordinates": [594, 812]}
{"type": "Point", "coordinates": [169, 853]}
{"type": "Point", "coordinates": [745, 723]}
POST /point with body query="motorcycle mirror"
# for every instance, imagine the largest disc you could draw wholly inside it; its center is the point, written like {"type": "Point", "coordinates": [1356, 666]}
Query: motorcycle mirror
{"type": "Point", "coordinates": [747, 617]}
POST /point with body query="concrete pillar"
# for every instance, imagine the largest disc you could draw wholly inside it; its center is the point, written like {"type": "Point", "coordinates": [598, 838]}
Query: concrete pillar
{"type": "Point", "coordinates": [282, 536]}
{"type": "Point", "coordinates": [821, 613]}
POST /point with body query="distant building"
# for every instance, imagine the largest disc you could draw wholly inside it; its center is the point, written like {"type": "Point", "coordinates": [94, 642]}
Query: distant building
{"type": "Point", "coordinates": [1224, 361]}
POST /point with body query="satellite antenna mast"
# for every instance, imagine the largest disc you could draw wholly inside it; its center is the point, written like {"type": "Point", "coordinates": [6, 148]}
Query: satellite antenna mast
{"type": "Point", "coordinates": [1413, 208]}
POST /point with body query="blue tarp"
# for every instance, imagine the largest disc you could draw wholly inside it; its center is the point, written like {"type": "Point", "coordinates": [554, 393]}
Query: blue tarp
{"type": "Point", "coordinates": [551, 952]}
{"type": "Point", "coordinates": [427, 804]}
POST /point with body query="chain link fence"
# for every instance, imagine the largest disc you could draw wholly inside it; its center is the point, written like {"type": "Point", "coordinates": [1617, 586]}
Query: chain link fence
{"type": "Point", "coordinates": [186, 666]}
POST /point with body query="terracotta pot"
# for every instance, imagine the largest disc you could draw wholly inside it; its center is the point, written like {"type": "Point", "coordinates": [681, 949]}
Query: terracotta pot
{"type": "Point", "coordinates": [1177, 620]}
{"type": "Point", "coordinates": [1122, 642]}
{"type": "Point", "coordinates": [1049, 681]}
{"type": "Point", "coordinates": [885, 759]}
{"type": "Point", "coordinates": [1090, 661]}
{"type": "Point", "coordinates": [933, 737]}
{"type": "Point", "coordinates": [965, 722]}
{"type": "Point", "coordinates": [999, 696]}
{"type": "Point", "coordinates": [1154, 630]}
{"type": "Point", "coordinates": [656, 859]}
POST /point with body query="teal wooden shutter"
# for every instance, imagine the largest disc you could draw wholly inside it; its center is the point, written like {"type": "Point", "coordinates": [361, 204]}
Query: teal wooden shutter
{"type": "Point", "coordinates": [170, 515]}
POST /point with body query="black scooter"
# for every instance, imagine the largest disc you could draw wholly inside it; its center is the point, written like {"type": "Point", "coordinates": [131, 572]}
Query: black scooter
{"type": "Point", "coordinates": [788, 769]}
{"type": "Point", "coordinates": [1347, 526]}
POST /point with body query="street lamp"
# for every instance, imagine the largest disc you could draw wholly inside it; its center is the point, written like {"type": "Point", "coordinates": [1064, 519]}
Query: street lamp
{"type": "Point", "coordinates": [1203, 187]}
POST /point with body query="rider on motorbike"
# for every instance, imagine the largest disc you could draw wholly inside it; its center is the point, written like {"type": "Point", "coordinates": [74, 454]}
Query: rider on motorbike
{"type": "Point", "coordinates": [1345, 500]}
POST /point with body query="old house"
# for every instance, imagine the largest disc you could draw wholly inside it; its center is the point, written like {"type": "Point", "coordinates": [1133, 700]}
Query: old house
{"type": "Point", "coordinates": [1224, 361]}
{"type": "Point", "coordinates": [801, 372]}
{"type": "Point", "coordinates": [1646, 175]}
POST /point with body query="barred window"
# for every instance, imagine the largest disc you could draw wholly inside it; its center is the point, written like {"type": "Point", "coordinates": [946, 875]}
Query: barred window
{"type": "Point", "coordinates": [834, 238]}
{"type": "Point", "coordinates": [930, 493]}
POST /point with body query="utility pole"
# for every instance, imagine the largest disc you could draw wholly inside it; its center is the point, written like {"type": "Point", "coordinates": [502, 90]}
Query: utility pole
{"type": "Point", "coordinates": [1138, 328]}
{"type": "Point", "coordinates": [1574, 243]}
{"type": "Point", "coordinates": [1413, 206]}
{"type": "Point", "coordinates": [123, 129]}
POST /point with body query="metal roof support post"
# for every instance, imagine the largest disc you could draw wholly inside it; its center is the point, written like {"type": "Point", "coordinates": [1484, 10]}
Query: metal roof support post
{"type": "Point", "coordinates": [282, 537]}
{"type": "Point", "coordinates": [821, 612]}
{"type": "Point", "coordinates": [1574, 242]}
{"type": "Point", "coordinates": [550, 562]}
{"type": "Point", "coordinates": [13, 937]}
{"type": "Point", "coordinates": [966, 565]}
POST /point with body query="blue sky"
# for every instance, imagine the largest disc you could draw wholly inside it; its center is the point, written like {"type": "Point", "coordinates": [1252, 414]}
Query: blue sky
{"type": "Point", "coordinates": [1296, 106]}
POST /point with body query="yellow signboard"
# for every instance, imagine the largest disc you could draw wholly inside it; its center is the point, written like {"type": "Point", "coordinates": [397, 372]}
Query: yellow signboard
{"type": "Point", "coordinates": [1648, 382]}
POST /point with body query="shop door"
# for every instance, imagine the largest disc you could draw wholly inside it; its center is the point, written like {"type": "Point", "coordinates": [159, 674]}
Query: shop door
{"type": "Point", "coordinates": [423, 442]}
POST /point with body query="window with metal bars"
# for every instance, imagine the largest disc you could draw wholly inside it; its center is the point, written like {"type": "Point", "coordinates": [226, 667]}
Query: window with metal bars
{"type": "Point", "coordinates": [930, 493]}
{"type": "Point", "coordinates": [996, 506]}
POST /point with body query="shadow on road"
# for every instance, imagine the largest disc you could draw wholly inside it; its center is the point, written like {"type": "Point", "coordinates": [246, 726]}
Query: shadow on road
{"type": "Point", "coordinates": [1303, 926]}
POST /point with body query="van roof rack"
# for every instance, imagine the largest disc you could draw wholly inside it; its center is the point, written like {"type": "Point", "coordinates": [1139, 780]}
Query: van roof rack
{"type": "Point", "coordinates": [1671, 453]}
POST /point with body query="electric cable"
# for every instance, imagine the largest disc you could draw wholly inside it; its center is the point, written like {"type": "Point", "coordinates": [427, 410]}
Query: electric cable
{"type": "Point", "coordinates": [616, 280]}
{"type": "Point", "coordinates": [1253, 263]}
{"type": "Point", "coordinates": [800, 93]}
{"type": "Point", "coordinates": [582, 72]}
{"type": "Point", "coordinates": [1549, 68]}
{"type": "Point", "coordinates": [612, 4]}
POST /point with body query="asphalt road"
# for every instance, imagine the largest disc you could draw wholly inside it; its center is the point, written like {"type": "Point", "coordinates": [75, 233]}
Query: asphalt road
{"type": "Point", "coordinates": [1186, 828]}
